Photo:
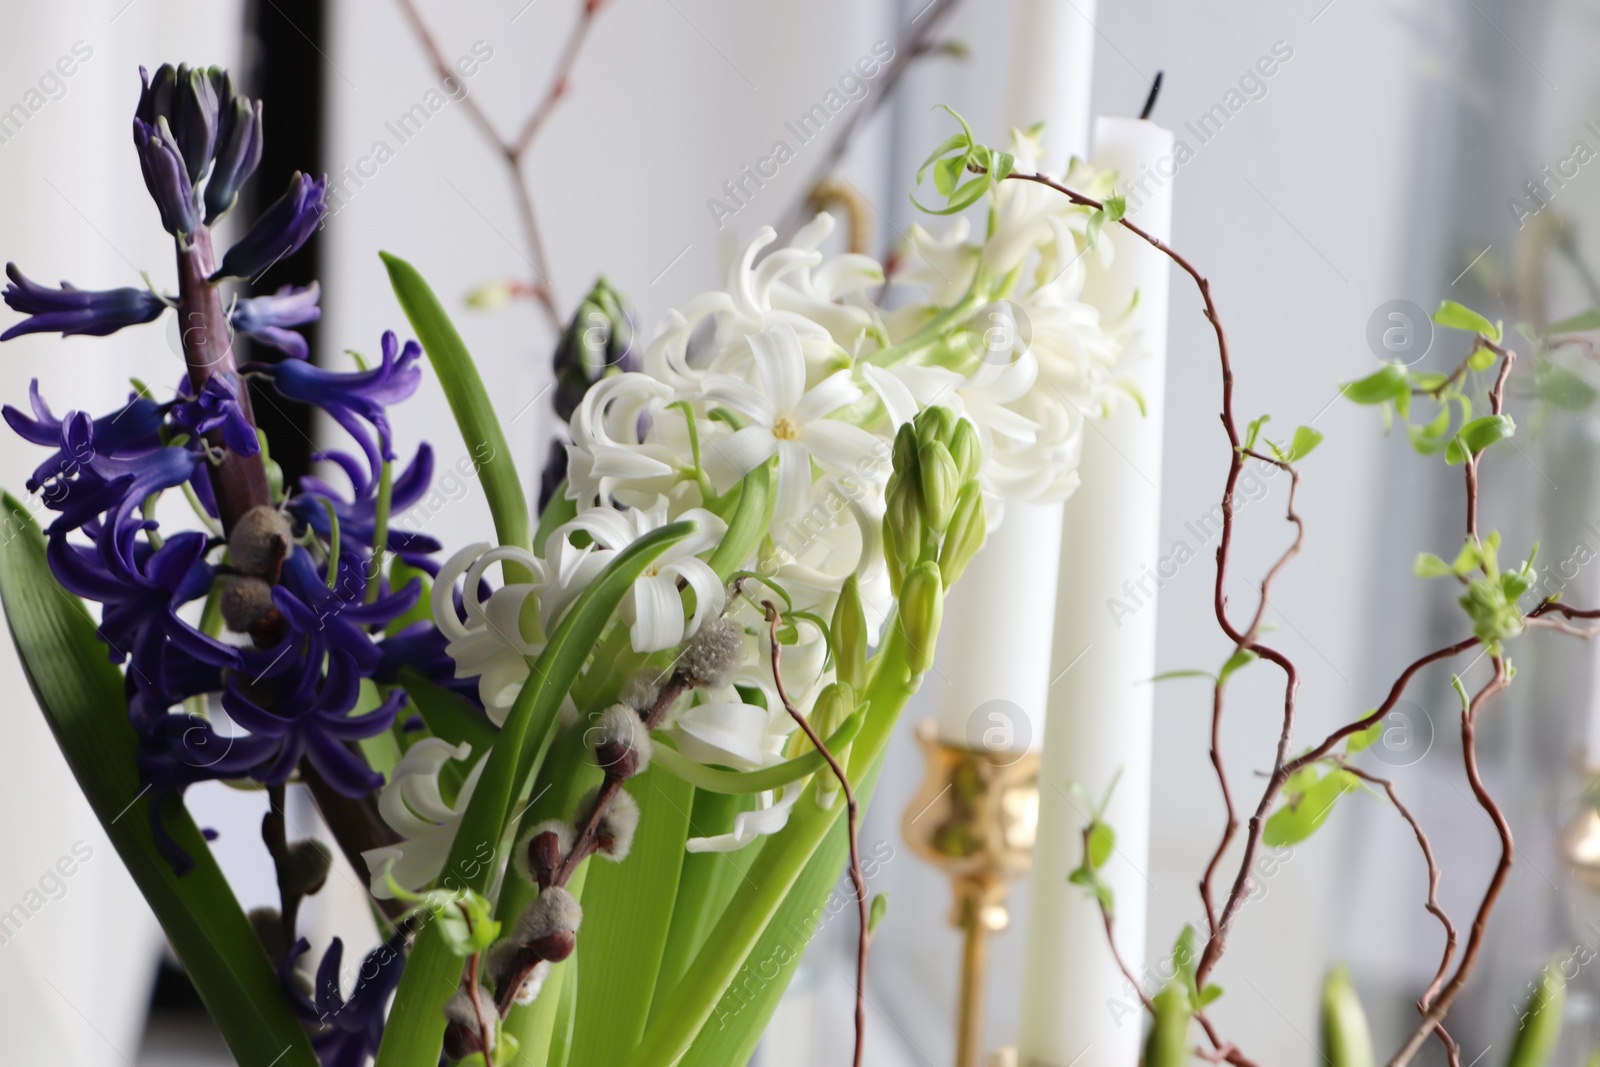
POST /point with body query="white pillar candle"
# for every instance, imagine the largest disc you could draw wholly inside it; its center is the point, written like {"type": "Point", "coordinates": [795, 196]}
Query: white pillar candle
{"type": "Point", "coordinates": [994, 651]}
{"type": "Point", "coordinates": [1098, 723]}
{"type": "Point", "coordinates": [1594, 707]}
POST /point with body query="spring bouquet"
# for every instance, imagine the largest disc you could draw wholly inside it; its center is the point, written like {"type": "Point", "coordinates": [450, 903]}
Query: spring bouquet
{"type": "Point", "coordinates": [596, 766]}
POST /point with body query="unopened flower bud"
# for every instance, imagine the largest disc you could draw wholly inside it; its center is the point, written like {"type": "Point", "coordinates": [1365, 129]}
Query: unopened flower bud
{"type": "Point", "coordinates": [939, 481]}
{"type": "Point", "coordinates": [902, 531]}
{"type": "Point", "coordinates": [934, 424]}
{"type": "Point", "coordinates": [965, 534]}
{"type": "Point", "coordinates": [461, 1036]}
{"type": "Point", "coordinates": [614, 836]}
{"type": "Point", "coordinates": [921, 612]}
{"type": "Point", "coordinates": [966, 450]}
{"type": "Point", "coordinates": [245, 604]}
{"type": "Point", "coordinates": [905, 450]}
{"type": "Point", "coordinates": [491, 295]}
{"type": "Point", "coordinates": [305, 867]}
{"type": "Point", "coordinates": [505, 960]}
{"type": "Point", "coordinates": [713, 654]}
{"type": "Point", "coordinates": [260, 541]}
{"type": "Point", "coordinates": [620, 742]}
{"type": "Point", "coordinates": [549, 926]}
{"type": "Point", "coordinates": [850, 635]}
{"type": "Point", "coordinates": [541, 850]}
{"type": "Point", "coordinates": [599, 337]}
{"type": "Point", "coordinates": [834, 705]}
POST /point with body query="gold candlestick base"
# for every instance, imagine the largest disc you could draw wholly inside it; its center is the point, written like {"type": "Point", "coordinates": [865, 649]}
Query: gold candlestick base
{"type": "Point", "coordinates": [975, 817]}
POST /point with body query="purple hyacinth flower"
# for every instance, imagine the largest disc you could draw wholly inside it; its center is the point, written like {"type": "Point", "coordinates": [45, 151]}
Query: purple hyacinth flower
{"type": "Point", "coordinates": [313, 721]}
{"type": "Point", "coordinates": [140, 603]}
{"type": "Point", "coordinates": [266, 319]}
{"type": "Point", "coordinates": [136, 427]}
{"type": "Point", "coordinates": [358, 515]}
{"type": "Point", "coordinates": [69, 310]}
{"type": "Point", "coordinates": [348, 1031]}
{"type": "Point", "coordinates": [353, 397]}
{"type": "Point", "coordinates": [217, 408]}
{"type": "Point", "coordinates": [166, 176]}
{"type": "Point", "coordinates": [280, 231]}
{"type": "Point", "coordinates": [335, 619]}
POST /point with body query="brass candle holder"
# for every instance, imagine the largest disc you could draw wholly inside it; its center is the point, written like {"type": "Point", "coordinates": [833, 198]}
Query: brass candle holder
{"type": "Point", "coordinates": [975, 817]}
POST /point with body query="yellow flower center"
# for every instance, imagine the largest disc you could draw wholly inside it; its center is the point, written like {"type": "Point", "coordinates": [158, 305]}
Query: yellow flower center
{"type": "Point", "coordinates": [784, 429]}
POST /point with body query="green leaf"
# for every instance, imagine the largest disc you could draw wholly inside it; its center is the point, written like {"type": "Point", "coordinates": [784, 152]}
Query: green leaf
{"type": "Point", "coordinates": [463, 918]}
{"type": "Point", "coordinates": [774, 777]}
{"type": "Point", "coordinates": [416, 1022]}
{"type": "Point", "coordinates": [556, 514]}
{"type": "Point", "coordinates": [448, 716]}
{"type": "Point", "coordinates": [469, 403]}
{"type": "Point", "coordinates": [1254, 431]}
{"type": "Point", "coordinates": [1346, 1039]}
{"type": "Point", "coordinates": [1386, 384]}
{"type": "Point", "coordinates": [1460, 317]}
{"type": "Point", "coordinates": [1362, 739]}
{"type": "Point", "coordinates": [1539, 1024]}
{"type": "Point", "coordinates": [1102, 839]}
{"type": "Point", "coordinates": [1430, 566]}
{"type": "Point", "coordinates": [1563, 388]}
{"type": "Point", "coordinates": [1428, 438]}
{"type": "Point", "coordinates": [1116, 206]}
{"type": "Point", "coordinates": [1478, 435]}
{"type": "Point", "coordinates": [1190, 672]}
{"type": "Point", "coordinates": [1299, 818]}
{"type": "Point", "coordinates": [1305, 439]}
{"type": "Point", "coordinates": [1582, 322]}
{"type": "Point", "coordinates": [877, 910]}
{"type": "Point", "coordinates": [1242, 657]}
{"type": "Point", "coordinates": [81, 696]}
{"type": "Point", "coordinates": [627, 913]}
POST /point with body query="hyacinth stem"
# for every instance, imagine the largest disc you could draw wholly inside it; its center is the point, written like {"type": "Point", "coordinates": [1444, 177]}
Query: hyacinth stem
{"type": "Point", "coordinates": [239, 483]}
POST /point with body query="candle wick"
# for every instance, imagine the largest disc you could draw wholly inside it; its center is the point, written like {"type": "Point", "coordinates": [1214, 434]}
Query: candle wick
{"type": "Point", "coordinates": [1150, 101]}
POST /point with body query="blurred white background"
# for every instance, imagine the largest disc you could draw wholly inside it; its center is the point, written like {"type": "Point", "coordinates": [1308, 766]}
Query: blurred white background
{"type": "Point", "coordinates": [1376, 164]}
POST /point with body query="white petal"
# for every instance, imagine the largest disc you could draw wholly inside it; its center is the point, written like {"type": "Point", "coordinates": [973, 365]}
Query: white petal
{"type": "Point", "coordinates": [750, 825]}
{"type": "Point", "coordinates": [896, 396]}
{"type": "Point", "coordinates": [739, 395]}
{"type": "Point", "coordinates": [794, 482]}
{"type": "Point", "coordinates": [782, 366]}
{"type": "Point", "coordinates": [709, 594]}
{"type": "Point", "coordinates": [657, 614]}
{"type": "Point", "coordinates": [832, 393]}
{"type": "Point", "coordinates": [839, 444]}
{"type": "Point", "coordinates": [733, 457]}
{"type": "Point", "coordinates": [442, 598]}
{"type": "Point", "coordinates": [727, 734]}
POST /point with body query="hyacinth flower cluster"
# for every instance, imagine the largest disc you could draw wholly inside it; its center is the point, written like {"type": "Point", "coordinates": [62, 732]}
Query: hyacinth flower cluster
{"type": "Point", "coordinates": [697, 648]}
{"type": "Point", "coordinates": [290, 607]}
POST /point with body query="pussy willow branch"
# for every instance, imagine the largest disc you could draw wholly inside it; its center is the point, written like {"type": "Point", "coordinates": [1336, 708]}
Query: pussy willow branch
{"type": "Point", "coordinates": [587, 837]}
{"type": "Point", "coordinates": [514, 151]}
{"type": "Point", "coordinates": [853, 814]}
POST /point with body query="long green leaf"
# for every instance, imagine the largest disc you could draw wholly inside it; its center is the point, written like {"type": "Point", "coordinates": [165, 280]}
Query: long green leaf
{"type": "Point", "coordinates": [469, 402]}
{"type": "Point", "coordinates": [775, 873]}
{"type": "Point", "coordinates": [81, 695]}
{"type": "Point", "coordinates": [751, 517]}
{"type": "Point", "coordinates": [628, 909]}
{"type": "Point", "coordinates": [416, 1022]}
{"type": "Point", "coordinates": [449, 717]}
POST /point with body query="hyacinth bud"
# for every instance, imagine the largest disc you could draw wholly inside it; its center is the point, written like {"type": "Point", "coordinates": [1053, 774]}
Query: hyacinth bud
{"type": "Point", "coordinates": [161, 162]}
{"type": "Point", "coordinates": [713, 654]}
{"type": "Point", "coordinates": [185, 98]}
{"type": "Point", "coordinates": [503, 962]}
{"type": "Point", "coordinates": [620, 742]}
{"type": "Point", "coordinates": [549, 926]}
{"type": "Point", "coordinates": [934, 424]}
{"type": "Point", "coordinates": [834, 705]}
{"type": "Point", "coordinates": [902, 531]}
{"type": "Point", "coordinates": [540, 851]}
{"type": "Point", "coordinates": [1168, 1043]}
{"type": "Point", "coordinates": [850, 635]}
{"type": "Point", "coordinates": [905, 451]}
{"type": "Point", "coordinates": [613, 837]}
{"type": "Point", "coordinates": [965, 534]}
{"type": "Point", "coordinates": [599, 337]}
{"type": "Point", "coordinates": [260, 541]}
{"type": "Point", "coordinates": [966, 450]}
{"type": "Point", "coordinates": [305, 867]}
{"type": "Point", "coordinates": [461, 1034]}
{"type": "Point", "coordinates": [939, 480]}
{"type": "Point", "coordinates": [1346, 1039]}
{"type": "Point", "coordinates": [238, 148]}
{"type": "Point", "coordinates": [921, 612]}
{"type": "Point", "coordinates": [280, 230]}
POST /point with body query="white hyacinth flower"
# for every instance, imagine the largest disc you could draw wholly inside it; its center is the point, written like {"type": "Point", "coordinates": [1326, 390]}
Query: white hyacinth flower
{"type": "Point", "coordinates": [412, 804]}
